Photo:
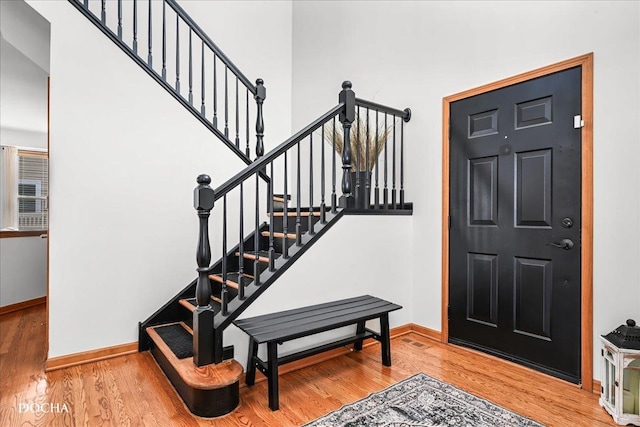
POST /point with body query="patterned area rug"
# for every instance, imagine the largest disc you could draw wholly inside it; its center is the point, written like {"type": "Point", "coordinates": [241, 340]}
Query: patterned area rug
{"type": "Point", "coordinates": [422, 401]}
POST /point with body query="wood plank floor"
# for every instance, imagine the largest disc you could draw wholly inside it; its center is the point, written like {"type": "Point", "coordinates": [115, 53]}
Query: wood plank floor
{"type": "Point", "coordinates": [132, 391]}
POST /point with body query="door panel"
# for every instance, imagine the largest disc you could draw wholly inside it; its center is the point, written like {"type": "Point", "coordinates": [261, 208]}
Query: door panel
{"type": "Point", "coordinates": [514, 176]}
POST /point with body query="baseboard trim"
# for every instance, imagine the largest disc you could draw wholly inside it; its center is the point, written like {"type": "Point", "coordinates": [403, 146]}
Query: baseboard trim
{"type": "Point", "coordinates": [426, 332]}
{"type": "Point", "coordinates": [597, 387]}
{"type": "Point", "coordinates": [96, 355]}
{"type": "Point", "coordinates": [22, 305]}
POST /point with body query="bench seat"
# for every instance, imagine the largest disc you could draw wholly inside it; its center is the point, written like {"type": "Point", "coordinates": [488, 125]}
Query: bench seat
{"type": "Point", "coordinates": [277, 328]}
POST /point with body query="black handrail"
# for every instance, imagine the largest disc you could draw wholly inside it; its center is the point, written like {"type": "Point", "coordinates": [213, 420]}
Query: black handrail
{"type": "Point", "coordinates": [260, 164]}
{"type": "Point", "coordinates": [405, 114]}
{"type": "Point", "coordinates": [204, 37]}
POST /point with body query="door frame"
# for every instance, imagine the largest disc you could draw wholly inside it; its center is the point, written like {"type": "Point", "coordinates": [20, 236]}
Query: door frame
{"type": "Point", "coordinates": [586, 256]}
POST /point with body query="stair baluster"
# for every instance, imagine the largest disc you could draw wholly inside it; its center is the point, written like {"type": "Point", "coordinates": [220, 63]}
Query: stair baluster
{"type": "Point", "coordinates": [202, 89]}
{"type": "Point", "coordinates": [247, 148]}
{"type": "Point", "coordinates": [261, 95]}
{"type": "Point", "coordinates": [367, 167]}
{"type": "Point", "coordinates": [393, 167]}
{"type": "Point", "coordinates": [323, 216]}
{"type": "Point", "coordinates": [241, 246]}
{"type": "Point", "coordinates": [226, 102]}
{"type": "Point", "coordinates": [285, 210]}
{"type": "Point", "coordinates": [178, 54]}
{"type": "Point", "coordinates": [358, 202]}
{"type": "Point", "coordinates": [256, 236]}
{"type": "Point", "coordinates": [402, 164]}
{"type": "Point", "coordinates": [191, 69]}
{"type": "Point", "coordinates": [164, 40]}
{"type": "Point", "coordinates": [203, 338]}
{"type": "Point", "coordinates": [224, 293]}
{"type": "Point", "coordinates": [120, 18]}
{"type": "Point", "coordinates": [272, 251]}
{"type": "Point", "coordinates": [237, 116]}
{"type": "Point", "coordinates": [310, 217]}
{"type": "Point", "coordinates": [376, 197]}
{"type": "Point", "coordinates": [385, 191]}
{"type": "Point", "coordinates": [347, 116]}
{"type": "Point", "coordinates": [103, 12]}
{"type": "Point", "coordinates": [149, 55]}
{"type": "Point", "coordinates": [298, 200]}
{"type": "Point", "coordinates": [334, 203]}
{"type": "Point", "coordinates": [135, 26]}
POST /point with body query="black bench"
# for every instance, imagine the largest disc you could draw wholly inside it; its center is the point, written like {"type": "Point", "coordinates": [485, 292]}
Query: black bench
{"type": "Point", "coordinates": [276, 328]}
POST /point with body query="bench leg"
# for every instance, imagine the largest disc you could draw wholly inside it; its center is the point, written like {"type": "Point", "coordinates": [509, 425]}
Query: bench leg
{"type": "Point", "coordinates": [272, 349]}
{"type": "Point", "coordinates": [359, 330]}
{"type": "Point", "coordinates": [250, 378]}
{"type": "Point", "coordinates": [386, 342]}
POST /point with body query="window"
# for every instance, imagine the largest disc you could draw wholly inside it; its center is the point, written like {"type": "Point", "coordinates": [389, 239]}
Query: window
{"type": "Point", "coordinates": [33, 189]}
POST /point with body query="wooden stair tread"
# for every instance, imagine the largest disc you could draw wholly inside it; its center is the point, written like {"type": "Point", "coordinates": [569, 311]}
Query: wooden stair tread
{"type": "Point", "coordinates": [293, 213]}
{"type": "Point", "coordinates": [233, 279]}
{"type": "Point", "coordinates": [263, 256]}
{"type": "Point", "coordinates": [278, 199]}
{"type": "Point", "coordinates": [189, 303]}
{"type": "Point", "coordinates": [208, 377]}
{"type": "Point", "coordinates": [279, 235]}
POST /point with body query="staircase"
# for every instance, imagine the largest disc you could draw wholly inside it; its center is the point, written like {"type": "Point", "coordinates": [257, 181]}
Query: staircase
{"type": "Point", "coordinates": [259, 231]}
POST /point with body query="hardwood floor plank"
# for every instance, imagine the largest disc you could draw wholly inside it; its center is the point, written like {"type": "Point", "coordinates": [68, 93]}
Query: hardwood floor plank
{"type": "Point", "coordinates": [132, 390]}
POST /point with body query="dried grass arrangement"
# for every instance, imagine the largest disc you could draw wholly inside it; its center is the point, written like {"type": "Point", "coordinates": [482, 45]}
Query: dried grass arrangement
{"type": "Point", "coordinates": [358, 140]}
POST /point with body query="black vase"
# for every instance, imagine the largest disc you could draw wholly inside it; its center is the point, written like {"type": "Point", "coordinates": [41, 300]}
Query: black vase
{"type": "Point", "coordinates": [359, 193]}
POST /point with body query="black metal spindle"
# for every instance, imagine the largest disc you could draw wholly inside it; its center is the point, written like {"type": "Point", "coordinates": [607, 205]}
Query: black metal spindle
{"type": "Point", "coordinates": [224, 296]}
{"type": "Point", "coordinates": [358, 153]}
{"type": "Point", "coordinates": [149, 55]}
{"type": "Point", "coordinates": [393, 167]}
{"type": "Point", "coordinates": [202, 89]}
{"type": "Point", "coordinates": [311, 228]}
{"type": "Point", "coordinates": [402, 164]}
{"type": "Point", "coordinates": [215, 92]}
{"type": "Point", "coordinates": [256, 235]}
{"type": "Point", "coordinates": [226, 102]}
{"type": "Point", "coordinates": [190, 69]}
{"type": "Point", "coordinates": [103, 12]}
{"type": "Point", "coordinates": [135, 26]}
{"type": "Point", "coordinates": [261, 95]}
{"type": "Point", "coordinates": [178, 53]}
{"type": "Point", "coordinates": [86, 4]}
{"type": "Point", "coordinates": [241, 247]}
{"type": "Point", "coordinates": [333, 168]}
{"type": "Point", "coordinates": [247, 148]}
{"type": "Point", "coordinates": [347, 116]}
{"type": "Point", "coordinates": [120, 19]}
{"type": "Point", "coordinates": [385, 191]}
{"type": "Point", "coordinates": [376, 197]}
{"type": "Point", "coordinates": [298, 220]}
{"type": "Point", "coordinates": [203, 342]}
{"type": "Point", "coordinates": [285, 211]}
{"type": "Point", "coordinates": [272, 251]}
{"type": "Point", "coordinates": [237, 116]}
{"type": "Point", "coordinates": [323, 218]}
{"type": "Point", "coordinates": [164, 40]}
{"type": "Point", "coordinates": [367, 167]}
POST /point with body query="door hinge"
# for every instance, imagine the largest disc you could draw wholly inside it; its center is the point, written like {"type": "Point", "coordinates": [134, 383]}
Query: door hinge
{"type": "Point", "coordinates": [578, 122]}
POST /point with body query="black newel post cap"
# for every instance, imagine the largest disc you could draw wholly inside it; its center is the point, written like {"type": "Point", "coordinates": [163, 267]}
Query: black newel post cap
{"type": "Point", "coordinates": [261, 91]}
{"type": "Point", "coordinates": [346, 84]}
{"type": "Point", "coordinates": [625, 336]}
{"type": "Point", "coordinates": [203, 195]}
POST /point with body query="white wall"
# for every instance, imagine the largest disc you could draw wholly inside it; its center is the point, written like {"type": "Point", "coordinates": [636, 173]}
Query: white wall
{"type": "Point", "coordinates": [22, 278]}
{"type": "Point", "coordinates": [413, 54]}
{"type": "Point", "coordinates": [124, 156]}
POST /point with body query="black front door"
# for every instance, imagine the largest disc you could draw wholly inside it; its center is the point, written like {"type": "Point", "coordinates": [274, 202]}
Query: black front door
{"type": "Point", "coordinates": [514, 259]}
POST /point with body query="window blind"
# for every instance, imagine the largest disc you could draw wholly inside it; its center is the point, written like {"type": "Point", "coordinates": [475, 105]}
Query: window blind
{"type": "Point", "coordinates": [33, 190]}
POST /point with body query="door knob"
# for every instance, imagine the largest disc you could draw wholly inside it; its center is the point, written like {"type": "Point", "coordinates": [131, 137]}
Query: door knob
{"type": "Point", "coordinates": [565, 244]}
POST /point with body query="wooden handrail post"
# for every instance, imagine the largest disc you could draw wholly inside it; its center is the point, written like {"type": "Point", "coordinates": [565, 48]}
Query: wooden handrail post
{"type": "Point", "coordinates": [203, 342]}
{"type": "Point", "coordinates": [260, 96]}
{"type": "Point", "coordinates": [347, 116]}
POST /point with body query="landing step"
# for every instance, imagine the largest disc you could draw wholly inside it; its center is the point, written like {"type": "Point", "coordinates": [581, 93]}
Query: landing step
{"type": "Point", "coordinates": [263, 256]}
{"type": "Point", "coordinates": [208, 391]}
{"type": "Point", "coordinates": [279, 235]}
{"type": "Point", "coordinates": [178, 337]}
{"type": "Point", "coordinates": [233, 279]}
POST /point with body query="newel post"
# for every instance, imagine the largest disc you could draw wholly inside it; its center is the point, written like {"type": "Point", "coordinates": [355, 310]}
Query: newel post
{"type": "Point", "coordinates": [203, 201]}
{"type": "Point", "coordinates": [347, 116]}
{"type": "Point", "coordinates": [261, 95]}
